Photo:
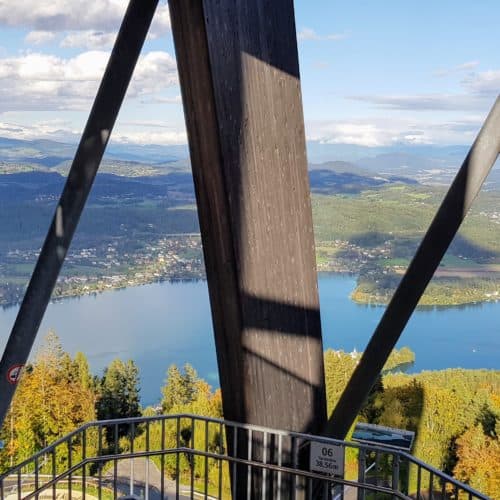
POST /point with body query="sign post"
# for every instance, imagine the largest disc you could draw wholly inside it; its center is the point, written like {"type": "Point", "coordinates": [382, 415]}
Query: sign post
{"type": "Point", "coordinates": [388, 437]}
{"type": "Point", "coordinates": [328, 459]}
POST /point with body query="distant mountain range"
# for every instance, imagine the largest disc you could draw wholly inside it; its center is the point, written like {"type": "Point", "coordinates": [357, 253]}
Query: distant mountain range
{"type": "Point", "coordinates": [415, 163]}
{"type": "Point", "coordinates": [51, 153]}
{"type": "Point", "coordinates": [46, 152]}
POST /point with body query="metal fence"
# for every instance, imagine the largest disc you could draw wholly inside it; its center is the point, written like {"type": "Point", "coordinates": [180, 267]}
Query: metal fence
{"type": "Point", "coordinates": [187, 456]}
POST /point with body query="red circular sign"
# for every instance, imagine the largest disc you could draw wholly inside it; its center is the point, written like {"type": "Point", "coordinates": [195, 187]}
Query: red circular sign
{"type": "Point", "coordinates": [13, 373]}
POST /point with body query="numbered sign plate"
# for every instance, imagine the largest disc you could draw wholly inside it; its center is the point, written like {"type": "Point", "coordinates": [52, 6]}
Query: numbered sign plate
{"type": "Point", "coordinates": [327, 458]}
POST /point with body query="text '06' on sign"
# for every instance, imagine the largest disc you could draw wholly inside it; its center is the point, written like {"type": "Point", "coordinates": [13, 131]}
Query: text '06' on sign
{"type": "Point", "coordinates": [327, 458]}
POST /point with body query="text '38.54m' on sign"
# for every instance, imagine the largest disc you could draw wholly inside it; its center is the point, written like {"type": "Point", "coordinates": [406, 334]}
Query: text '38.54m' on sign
{"type": "Point", "coordinates": [327, 458]}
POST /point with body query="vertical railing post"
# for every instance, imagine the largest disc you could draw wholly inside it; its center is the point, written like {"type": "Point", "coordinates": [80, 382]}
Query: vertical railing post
{"type": "Point", "coordinates": [234, 451]}
{"type": "Point", "coordinates": [84, 467]}
{"type": "Point", "coordinates": [54, 470]}
{"type": "Point", "coordinates": [206, 459]}
{"type": "Point", "coordinates": [132, 465]}
{"type": "Point", "coordinates": [146, 492]}
{"type": "Point", "coordinates": [177, 458]}
{"type": "Point", "coordinates": [162, 459]}
{"type": "Point", "coordinates": [99, 463]}
{"type": "Point", "coordinates": [36, 478]}
{"type": "Point", "coordinates": [115, 462]}
{"type": "Point", "coordinates": [395, 473]}
{"type": "Point", "coordinates": [70, 464]}
{"type": "Point", "coordinates": [361, 472]}
{"type": "Point", "coordinates": [192, 458]}
{"type": "Point", "coordinates": [19, 485]}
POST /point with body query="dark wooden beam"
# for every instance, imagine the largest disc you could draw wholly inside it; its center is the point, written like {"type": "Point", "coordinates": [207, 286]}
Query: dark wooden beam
{"type": "Point", "coordinates": [239, 75]}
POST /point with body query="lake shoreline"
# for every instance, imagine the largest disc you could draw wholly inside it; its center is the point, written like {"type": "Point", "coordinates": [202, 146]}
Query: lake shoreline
{"type": "Point", "coordinates": [361, 298]}
{"type": "Point", "coordinates": [357, 297]}
{"type": "Point", "coordinates": [170, 323]}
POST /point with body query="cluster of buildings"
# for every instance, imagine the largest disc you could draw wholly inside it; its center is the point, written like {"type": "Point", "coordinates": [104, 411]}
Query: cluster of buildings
{"type": "Point", "coordinates": [92, 270]}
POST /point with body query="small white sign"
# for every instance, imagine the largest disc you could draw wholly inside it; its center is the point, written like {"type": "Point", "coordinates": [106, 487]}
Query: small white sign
{"type": "Point", "coordinates": [327, 458]}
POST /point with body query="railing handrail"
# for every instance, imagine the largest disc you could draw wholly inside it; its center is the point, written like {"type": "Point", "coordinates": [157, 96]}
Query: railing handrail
{"type": "Point", "coordinates": [191, 451]}
{"type": "Point", "coordinates": [227, 424]}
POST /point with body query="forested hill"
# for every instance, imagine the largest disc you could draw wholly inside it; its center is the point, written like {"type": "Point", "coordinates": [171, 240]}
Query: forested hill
{"type": "Point", "coordinates": [140, 179]}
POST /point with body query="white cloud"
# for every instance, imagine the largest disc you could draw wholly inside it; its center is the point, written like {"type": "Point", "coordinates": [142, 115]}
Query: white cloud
{"type": "Point", "coordinates": [361, 134]}
{"type": "Point", "coordinates": [467, 66]}
{"type": "Point", "coordinates": [57, 130]}
{"type": "Point", "coordinates": [147, 123]}
{"type": "Point", "coordinates": [169, 100]}
{"type": "Point", "coordinates": [61, 15]}
{"type": "Point", "coordinates": [144, 137]}
{"type": "Point", "coordinates": [479, 93]}
{"type": "Point", "coordinates": [310, 34]}
{"type": "Point", "coordinates": [384, 132]}
{"type": "Point", "coordinates": [424, 102]}
{"type": "Point", "coordinates": [89, 39]}
{"type": "Point", "coordinates": [98, 20]}
{"type": "Point", "coordinates": [368, 132]}
{"type": "Point", "coordinates": [155, 71]}
{"type": "Point", "coordinates": [459, 68]}
{"type": "Point", "coordinates": [39, 37]}
{"type": "Point", "coordinates": [45, 82]}
{"type": "Point", "coordinates": [486, 83]}
{"type": "Point", "coordinates": [161, 22]}
{"type": "Point", "coordinates": [321, 64]}
{"type": "Point", "coordinates": [61, 130]}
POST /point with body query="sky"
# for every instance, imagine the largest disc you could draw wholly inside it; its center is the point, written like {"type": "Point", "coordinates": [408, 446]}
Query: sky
{"type": "Point", "coordinates": [373, 73]}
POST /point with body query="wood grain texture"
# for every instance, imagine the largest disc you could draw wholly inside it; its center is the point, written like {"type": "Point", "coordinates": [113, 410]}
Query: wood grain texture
{"type": "Point", "coordinates": [238, 68]}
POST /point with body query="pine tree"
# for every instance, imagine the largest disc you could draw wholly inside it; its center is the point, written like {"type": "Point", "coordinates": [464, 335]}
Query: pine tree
{"type": "Point", "coordinates": [82, 371]}
{"type": "Point", "coordinates": [180, 388]}
{"type": "Point", "coordinates": [119, 391]}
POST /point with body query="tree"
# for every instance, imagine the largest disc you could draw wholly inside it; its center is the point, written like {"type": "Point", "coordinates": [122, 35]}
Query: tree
{"type": "Point", "coordinates": [180, 388]}
{"type": "Point", "coordinates": [479, 460]}
{"type": "Point", "coordinates": [82, 371]}
{"type": "Point", "coordinates": [119, 391]}
{"type": "Point", "coordinates": [50, 402]}
{"type": "Point", "coordinates": [184, 392]}
{"type": "Point", "coordinates": [373, 407]}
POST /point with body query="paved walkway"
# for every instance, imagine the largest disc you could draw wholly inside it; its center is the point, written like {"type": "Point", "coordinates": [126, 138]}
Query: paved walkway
{"type": "Point", "coordinates": [145, 473]}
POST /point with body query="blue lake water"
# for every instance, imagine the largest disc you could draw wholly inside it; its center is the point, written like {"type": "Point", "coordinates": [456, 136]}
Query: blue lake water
{"type": "Point", "coordinates": [160, 324]}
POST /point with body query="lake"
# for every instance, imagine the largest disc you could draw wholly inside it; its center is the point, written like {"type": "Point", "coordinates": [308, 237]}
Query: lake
{"type": "Point", "coordinates": [164, 323]}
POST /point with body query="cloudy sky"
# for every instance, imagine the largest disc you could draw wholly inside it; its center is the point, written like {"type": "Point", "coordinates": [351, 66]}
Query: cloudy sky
{"type": "Point", "coordinates": [373, 72]}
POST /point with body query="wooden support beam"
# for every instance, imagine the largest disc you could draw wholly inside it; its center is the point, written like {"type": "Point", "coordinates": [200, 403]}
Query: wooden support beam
{"type": "Point", "coordinates": [239, 74]}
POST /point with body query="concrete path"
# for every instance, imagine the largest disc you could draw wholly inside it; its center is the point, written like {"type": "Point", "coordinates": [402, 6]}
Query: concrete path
{"type": "Point", "coordinates": [144, 473]}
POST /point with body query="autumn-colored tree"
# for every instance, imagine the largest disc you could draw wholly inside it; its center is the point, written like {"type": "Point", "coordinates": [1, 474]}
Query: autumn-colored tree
{"type": "Point", "coordinates": [479, 461]}
{"type": "Point", "coordinates": [50, 402]}
{"type": "Point", "coordinates": [439, 406]}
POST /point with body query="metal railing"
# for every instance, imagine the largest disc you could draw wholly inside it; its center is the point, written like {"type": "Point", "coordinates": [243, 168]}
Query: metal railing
{"type": "Point", "coordinates": [188, 456]}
